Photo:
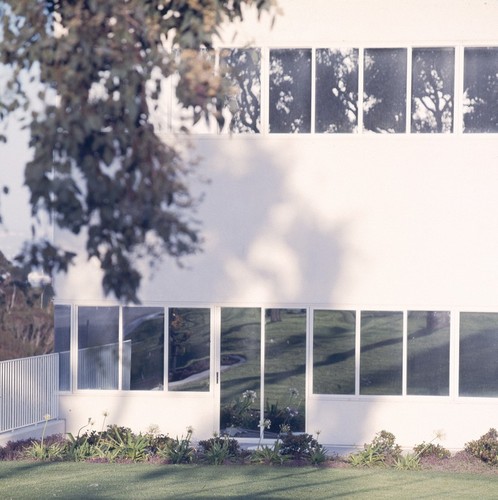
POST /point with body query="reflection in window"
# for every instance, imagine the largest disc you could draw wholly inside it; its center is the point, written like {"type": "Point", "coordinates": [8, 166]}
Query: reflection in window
{"type": "Point", "coordinates": [98, 352]}
{"type": "Point", "coordinates": [240, 371]}
{"type": "Point", "coordinates": [479, 354]}
{"type": "Point", "coordinates": [193, 89]}
{"type": "Point", "coordinates": [384, 97]}
{"type": "Point", "coordinates": [334, 352]}
{"type": "Point", "coordinates": [290, 90]}
{"type": "Point", "coordinates": [62, 342]}
{"type": "Point", "coordinates": [242, 69]}
{"type": "Point", "coordinates": [189, 349]}
{"type": "Point", "coordinates": [481, 89]}
{"type": "Point", "coordinates": [428, 353]}
{"type": "Point", "coordinates": [432, 89]}
{"type": "Point", "coordinates": [381, 353]}
{"type": "Point", "coordinates": [336, 104]}
{"type": "Point", "coordinates": [143, 348]}
{"type": "Point", "coordinates": [285, 369]}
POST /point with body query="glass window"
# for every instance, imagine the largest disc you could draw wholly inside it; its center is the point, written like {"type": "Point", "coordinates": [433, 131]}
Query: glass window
{"type": "Point", "coordinates": [480, 112]}
{"type": "Point", "coordinates": [98, 347]}
{"type": "Point", "coordinates": [336, 98]}
{"type": "Point", "coordinates": [143, 348]}
{"type": "Point", "coordinates": [381, 360]}
{"type": "Point", "coordinates": [191, 92]}
{"type": "Point", "coordinates": [189, 339]}
{"type": "Point", "coordinates": [285, 369]}
{"type": "Point", "coordinates": [479, 354]}
{"type": "Point", "coordinates": [428, 353]}
{"type": "Point", "coordinates": [290, 90]}
{"type": "Point", "coordinates": [384, 96]}
{"type": "Point", "coordinates": [240, 371]}
{"type": "Point", "coordinates": [62, 343]}
{"type": "Point", "coordinates": [242, 68]}
{"type": "Point", "coordinates": [432, 89]}
{"type": "Point", "coordinates": [334, 352]}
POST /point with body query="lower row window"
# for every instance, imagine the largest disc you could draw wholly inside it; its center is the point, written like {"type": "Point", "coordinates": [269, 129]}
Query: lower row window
{"type": "Point", "coordinates": [381, 353]}
{"type": "Point", "coordinates": [345, 361]}
{"type": "Point", "coordinates": [142, 367]}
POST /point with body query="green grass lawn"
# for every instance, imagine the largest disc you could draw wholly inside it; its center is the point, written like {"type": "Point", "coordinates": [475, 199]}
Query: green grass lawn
{"type": "Point", "coordinates": [30, 480]}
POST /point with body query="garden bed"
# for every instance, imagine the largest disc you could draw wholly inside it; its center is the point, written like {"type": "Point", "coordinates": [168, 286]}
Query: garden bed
{"type": "Point", "coordinates": [121, 445]}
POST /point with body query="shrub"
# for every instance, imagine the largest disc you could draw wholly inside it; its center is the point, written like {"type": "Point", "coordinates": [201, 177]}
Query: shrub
{"type": "Point", "coordinates": [218, 448]}
{"type": "Point", "coordinates": [382, 450]}
{"type": "Point", "coordinates": [47, 449]}
{"type": "Point", "coordinates": [301, 446]}
{"type": "Point", "coordinates": [318, 456]}
{"type": "Point", "coordinates": [124, 444]}
{"type": "Point", "coordinates": [367, 457]}
{"type": "Point", "coordinates": [14, 450]}
{"type": "Point", "coordinates": [385, 444]}
{"type": "Point", "coordinates": [431, 450]}
{"type": "Point", "coordinates": [410, 461]}
{"type": "Point", "coordinates": [485, 448]}
{"type": "Point", "coordinates": [179, 450]}
{"type": "Point", "coordinates": [268, 455]}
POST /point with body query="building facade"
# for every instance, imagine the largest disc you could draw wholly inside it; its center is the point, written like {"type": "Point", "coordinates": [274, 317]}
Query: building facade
{"type": "Point", "coordinates": [349, 278]}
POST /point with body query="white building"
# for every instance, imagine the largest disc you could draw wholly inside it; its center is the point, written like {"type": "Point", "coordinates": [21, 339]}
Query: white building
{"type": "Point", "coordinates": [351, 243]}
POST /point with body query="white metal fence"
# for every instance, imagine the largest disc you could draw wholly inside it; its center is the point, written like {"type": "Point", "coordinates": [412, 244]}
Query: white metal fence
{"type": "Point", "coordinates": [28, 391]}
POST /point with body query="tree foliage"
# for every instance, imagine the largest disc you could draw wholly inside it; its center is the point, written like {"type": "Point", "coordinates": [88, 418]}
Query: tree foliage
{"type": "Point", "coordinates": [100, 167]}
{"type": "Point", "coordinates": [432, 90]}
{"type": "Point", "coordinates": [384, 99]}
{"type": "Point", "coordinates": [26, 314]}
{"type": "Point", "coordinates": [481, 89]}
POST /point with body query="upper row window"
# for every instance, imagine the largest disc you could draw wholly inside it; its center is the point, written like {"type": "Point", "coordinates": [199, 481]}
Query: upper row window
{"type": "Point", "coordinates": [362, 90]}
{"type": "Point", "coordinates": [383, 91]}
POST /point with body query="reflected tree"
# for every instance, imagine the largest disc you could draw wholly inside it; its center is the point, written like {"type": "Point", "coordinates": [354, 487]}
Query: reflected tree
{"type": "Point", "coordinates": [143, 332]}
{"type": "Point", "coordinates": [384, 96]}
{"type": "Point", "coordinates": [241, 68]}
{"type": "Point", "coordinates": [189, 349]}
{"type": "Point", "coordinates": [336, 108]}
{"type": "Point", "coordinates": [432, 89]}
{"type": "Point", "coordinates": [481, 90]}
{"type": "Point", "coordinates": [290, 90]}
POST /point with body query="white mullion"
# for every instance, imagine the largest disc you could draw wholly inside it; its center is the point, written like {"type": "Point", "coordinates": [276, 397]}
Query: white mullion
{"type": "Point", "coordinates": [454, 353]}
{"type": "Point", "coordinates": [310, 321]}
{"type": "Point", "coordinates": [215, 362]}
{"type": "Point", "coordinates": [404, 370]}
{"type": "Point", "coordinates": [264, 104]}
{"type": "Point", "coordinates": [409, 73]}
{"type": "Point", "coordinates": [216, 67]}
{"type": "Point", "coordinates": [313, 89]}
{"type": "Point", "coordinates": [361, 60]}
{"type": "Point", "coordinates": [166, 349]}
{"type": "Point", "coordinates": [357, 351]}
{"type": "Point", "coordinates": [120, 348]}
{"type": "Point", "coordinates": [73, 350]}
{"type": "Point", "coordinates": [458, 90]}
{"type": "Point", "coordinates": [262, 374]}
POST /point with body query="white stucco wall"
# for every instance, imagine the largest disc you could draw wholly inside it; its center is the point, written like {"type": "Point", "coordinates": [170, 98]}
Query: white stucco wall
{"type": "Point", "coordinates": [360, 221]}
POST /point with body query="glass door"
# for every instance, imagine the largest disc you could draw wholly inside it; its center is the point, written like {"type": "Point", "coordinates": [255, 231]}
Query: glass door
{"type": "Point", "coordinates": [262, 371]}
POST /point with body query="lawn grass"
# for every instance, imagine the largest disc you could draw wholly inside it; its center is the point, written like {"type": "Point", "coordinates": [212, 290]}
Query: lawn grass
{"type": "Point", "coordinates": [29, 480]}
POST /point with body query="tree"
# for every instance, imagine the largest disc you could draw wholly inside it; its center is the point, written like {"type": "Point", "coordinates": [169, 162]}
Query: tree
{"type": "Point", "coordinates": [337, 90]}
{"type": "Point", "coordinates": [290, 90]}
{"type": "Point", "coordinates": [481, 89]}
{"type": "Point", "coordinates": [432, 90]}
{"type": "Point", "coordinates": [384, 99]}
{"type": "Point", "coordinates": [99, 166]}
{"type": "Point", "coordinates": [26, 314]}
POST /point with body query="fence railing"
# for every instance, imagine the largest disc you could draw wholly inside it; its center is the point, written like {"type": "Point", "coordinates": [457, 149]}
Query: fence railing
{"type": "Point", "coordinates": [28, 391]}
